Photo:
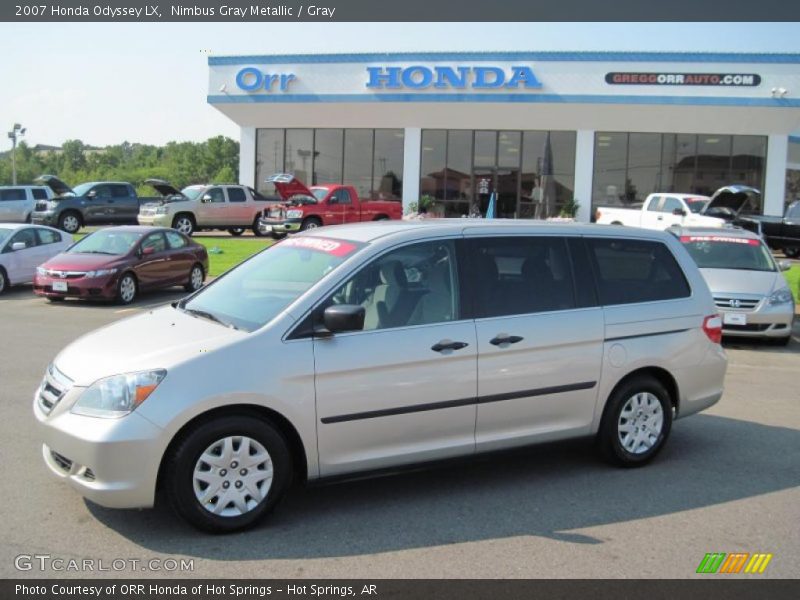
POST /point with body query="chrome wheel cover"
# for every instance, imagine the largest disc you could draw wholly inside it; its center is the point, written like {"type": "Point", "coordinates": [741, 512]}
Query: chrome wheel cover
{"type": "Point", "coordinates": [232, 476]}
{"type": "Point", "coordinates": [127, 289]}
{"type": "Point", "coordinates": [71, 224]}
{"type": "Point", "coordinates": [312, 225]}
{"type": "Point", "coordinates": [196, 278]}
{"type": "Point", "coordinates": [640, 423]}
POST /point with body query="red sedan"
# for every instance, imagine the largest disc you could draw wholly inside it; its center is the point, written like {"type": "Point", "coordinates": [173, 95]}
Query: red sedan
{"type": "Point", "coordinates": [118, 262]}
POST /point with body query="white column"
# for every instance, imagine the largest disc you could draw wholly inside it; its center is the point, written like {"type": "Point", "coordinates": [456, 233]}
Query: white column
{"type": "Point", "coordinates": [775, 177]}
{"type": "Point", "coordinates": [584, 167]}
{"type": "Point", "coordinates": [412, 161]}
{"type": "Point", "coordinates": [247, 157]}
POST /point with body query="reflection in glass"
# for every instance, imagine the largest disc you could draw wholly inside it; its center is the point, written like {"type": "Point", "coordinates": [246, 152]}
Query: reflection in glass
{"type": "Point", "coordinates": [713, 163]}
{"type": "Point", "coordinates": [610, 165]}
{"type": "Point", "coordinates": [269, 158]}
{"type": "Point", "coordinates": [459, 173]}
{"type": "Point", "coordinates": [644, 165]}
{"type": "Point", "coordinates": [327, 156]}
{"type": "Point", "coordinates": [388, 167]}
{"type": "Point", "coordinates": [358, 160]}
{"type": "Point", "coordinates": [433, 163]}
{"type": "Point", "coordinates": [299, 153]}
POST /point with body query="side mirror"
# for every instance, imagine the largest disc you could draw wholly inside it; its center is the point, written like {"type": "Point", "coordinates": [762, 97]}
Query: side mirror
{"type": "Point", "coordinates": [92, 194]}
{"type": "Point", "coordinates": [18, 246]}
{"type": "Point", "coordinates": [783, 265]}
{"type": "Point", "coordinates": [679, 212]}
{"type": "Point", "coordinates": [206, 198]}
{"type": "Point", "coordinates": [344, 317]}
{"type": "Point", "coordinates": [333, 200]}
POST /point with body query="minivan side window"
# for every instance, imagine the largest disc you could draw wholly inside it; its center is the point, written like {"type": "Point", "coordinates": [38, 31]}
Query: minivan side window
{"type": "Point", "coordinates": [629, 271]}
{"type": "Point", "coordinates": [413, 285]}
{"type": "Point", "coordinates": [520, 275]}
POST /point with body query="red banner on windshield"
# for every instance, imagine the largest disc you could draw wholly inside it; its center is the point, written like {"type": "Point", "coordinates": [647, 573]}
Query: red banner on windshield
{"type": "Point", "coordinates": [326, 245]}
{"type": "Point", "coordinates": [687, 239]}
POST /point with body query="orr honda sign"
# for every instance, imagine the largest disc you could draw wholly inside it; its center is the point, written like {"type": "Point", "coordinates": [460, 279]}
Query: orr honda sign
{"type": "Point", "coordinates": [444, 77]}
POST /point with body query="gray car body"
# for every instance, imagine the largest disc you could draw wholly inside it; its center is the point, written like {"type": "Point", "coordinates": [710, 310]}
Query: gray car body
{"type": "Point", "coordinates": [301, 382]}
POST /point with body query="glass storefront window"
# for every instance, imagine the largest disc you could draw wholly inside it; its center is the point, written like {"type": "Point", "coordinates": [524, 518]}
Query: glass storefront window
{"type": "Point", "coordinates": [269, 158]}
{"type": "Point", "coordinates": [644, 165]}
{"type": "Point", "coordinates": [610, 166]}
{"type": "Point", "coordinates": [433, 163]}
{"type": "Point", "coordinates": [459, 173]}
{"type": "Point", "coordinates": [388, 164]}
{"type": "Point", "coordinates": [713, 163]}
{"type": "Point", "coordinates": [300, 153]}
{"type": "Point", "coordinates": [328, 147]}
{"type": "Point", "coordinates": [358, 160]}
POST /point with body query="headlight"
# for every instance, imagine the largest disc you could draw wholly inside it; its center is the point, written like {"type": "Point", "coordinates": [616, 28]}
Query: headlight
{"type": "Point", "coordinates": [101, 272]}
{"type": "Point", "coordinates": [52, 205]}
{"type": "Point", "coordinates": [41, 271]}
{"type": "Point", "coordinates": [160, 210]}
{"type": "Point", "coordinates": [294, 214]}
{"type": "Point", "coordinates": [782, 296]}
{"type": "Point", "coordinates": [119, 395]}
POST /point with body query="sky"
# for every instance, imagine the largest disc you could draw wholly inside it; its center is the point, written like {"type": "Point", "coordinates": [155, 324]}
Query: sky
{"type": "Point", "coordinates": [106, 83]}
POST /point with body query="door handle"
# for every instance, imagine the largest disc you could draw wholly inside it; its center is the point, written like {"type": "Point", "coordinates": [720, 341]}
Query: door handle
{"type": "Point", "coordinates": [660, 218]}
{"type": "Point", "coordinates": [448, 345]}
{"type": "Point", "coordinates": [502, 339]}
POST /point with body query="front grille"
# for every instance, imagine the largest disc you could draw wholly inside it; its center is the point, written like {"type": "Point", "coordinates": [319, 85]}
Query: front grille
{"type": "Point", "coordinates": [41, 206]}
{"type": "Point", "coordinates": [64, 274]}
{"type": "Point", "coordinates": [753, 327]}
{"type": "Point", "coordinates": [61, 460]}
{"type": "Point", "coordinates": [53, 388]}
{"type": "Point", "coordinates": [736, 303]}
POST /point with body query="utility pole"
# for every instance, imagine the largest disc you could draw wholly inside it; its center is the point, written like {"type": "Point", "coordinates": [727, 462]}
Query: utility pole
{"type": "Point", "coordinates": [16, 132]}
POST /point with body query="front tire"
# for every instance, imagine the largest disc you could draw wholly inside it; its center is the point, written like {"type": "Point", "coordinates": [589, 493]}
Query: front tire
{"type": "Point", "coordinates": [636, 422]}
{"type": "Point", "coordinates": [184, 223]}
{"type": "Point", "coordinates": [196, 278]}
{"type": "Point", "coordinates": [227, 474]}
{"type": "Point", "coordinates": [236, 231]}
{"type": "Point", "coordinates": [70, 222]}
{"type": "Point", "coordinates": [792, 251]}
{"type": "Point", "coordinates": [127, 288]}
{"type": "Point", "coordinates": [310, 223]}
{"type": "Point", "coordinates": [3, 280]}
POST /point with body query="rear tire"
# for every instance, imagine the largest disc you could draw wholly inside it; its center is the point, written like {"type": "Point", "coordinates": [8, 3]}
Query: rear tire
{"type": "Point", "coordinates": [70, 221]}
{"type": "Point", "coordinates": [227, 474]}
{"type": "Point", "coordinates": [184, 223]}
{"type": "Point", "coordinates": [236, 231]}
{"type": "Point", "coordinates": [3, 280]}
{"type": "Point", "coordinates": [636, 422]}
{"type": "Point", "coordinates": [196, 278]}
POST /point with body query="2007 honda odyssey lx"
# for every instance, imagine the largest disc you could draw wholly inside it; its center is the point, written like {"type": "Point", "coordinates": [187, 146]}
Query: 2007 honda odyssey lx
{"type": "Point", "coordinates": [363, 347]}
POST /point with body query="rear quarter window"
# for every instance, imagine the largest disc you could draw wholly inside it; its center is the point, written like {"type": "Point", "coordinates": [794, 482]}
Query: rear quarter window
{"type": "Point", "coordinates": [631, 271]}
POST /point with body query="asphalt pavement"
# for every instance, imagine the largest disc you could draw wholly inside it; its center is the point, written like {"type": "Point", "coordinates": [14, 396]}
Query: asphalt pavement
{"type": "Point", "coordinates": [726, 482]}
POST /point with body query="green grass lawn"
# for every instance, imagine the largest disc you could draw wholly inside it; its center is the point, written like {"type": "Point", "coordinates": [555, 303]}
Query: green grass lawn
{"type": "Point", "coordinates": [234, 251]}
{"type": "Point", "coordinates": [793, 277]}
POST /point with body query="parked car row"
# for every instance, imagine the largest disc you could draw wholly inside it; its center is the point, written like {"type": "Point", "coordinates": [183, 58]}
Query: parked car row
{"type": "Point", "coordinates": [111, 264]}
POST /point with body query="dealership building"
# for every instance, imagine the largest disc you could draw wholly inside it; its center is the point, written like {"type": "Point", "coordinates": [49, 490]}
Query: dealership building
{"type": "Point", "coordinates": [542, 130]}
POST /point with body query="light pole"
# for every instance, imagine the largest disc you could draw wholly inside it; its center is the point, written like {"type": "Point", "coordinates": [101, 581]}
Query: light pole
{"type": "Point", "coordinates": [16, 132]}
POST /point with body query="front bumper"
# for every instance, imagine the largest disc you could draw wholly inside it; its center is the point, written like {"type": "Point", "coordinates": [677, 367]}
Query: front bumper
{"type": "Point", "coordinates": [112, 462]}
{"type": "Point", "coordinates": [764, 321]}
{"type": "Point", "coordinates": [155, 220]}
{"type": "Point", "coordinates": [279, 225]}
{"type": "Point", "coordinates": [48, 217]}
{"type": "Point", "coordinates": [101, 288]}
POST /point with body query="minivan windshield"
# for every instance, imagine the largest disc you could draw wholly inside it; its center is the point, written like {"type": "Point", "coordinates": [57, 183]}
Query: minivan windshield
{"type": "Point", "coordinates": [255, 292]}
{"type": "Point", "coordinates": [722, 252]}
{"type": "Point", "coordinates": [106, 241]}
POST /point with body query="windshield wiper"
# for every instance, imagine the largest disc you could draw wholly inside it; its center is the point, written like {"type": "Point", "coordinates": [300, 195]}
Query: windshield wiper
{"type": "Point", "coordinates": [207, 315]}
{"type": "Point", "coordinates": [96, 252]}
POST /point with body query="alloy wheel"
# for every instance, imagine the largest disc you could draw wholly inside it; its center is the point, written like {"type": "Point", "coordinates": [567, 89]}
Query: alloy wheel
{"type": "Point", "coordinates": [127, 289]}
{"type": "Point", "coordinates": [184, 225]}
{"type": "Point", "coordinates": [71, 224]}
{"type": "Point", "coordinates": [196, 278]}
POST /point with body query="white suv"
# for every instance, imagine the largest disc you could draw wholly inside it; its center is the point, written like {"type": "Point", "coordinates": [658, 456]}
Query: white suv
{"type": "Point", "coordinates": [364, 347]}
{"type": "Point", "coordinates": [17, 201]}
{"type": "Point", "coordinates": [211, 206]}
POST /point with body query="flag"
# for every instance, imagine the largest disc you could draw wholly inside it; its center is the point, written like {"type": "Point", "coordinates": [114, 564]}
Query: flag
{"type": "Point", "coordinates": [491, 209]}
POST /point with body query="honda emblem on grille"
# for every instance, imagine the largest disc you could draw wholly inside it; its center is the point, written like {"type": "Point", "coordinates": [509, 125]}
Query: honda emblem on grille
{"type": "Point", "coordinates": [735, 303]}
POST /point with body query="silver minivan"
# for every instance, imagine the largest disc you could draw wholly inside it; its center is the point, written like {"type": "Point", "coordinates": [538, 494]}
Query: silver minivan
{"type": "Point", "coordinates": [17, 201]}
{"type": "Point", "coordinates": [359, 348]}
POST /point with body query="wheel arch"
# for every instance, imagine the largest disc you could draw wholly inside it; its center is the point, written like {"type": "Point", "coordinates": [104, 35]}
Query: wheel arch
{"type": "Point", "coordinates": [660, 374]}
{"type": "Point", "coordinates": [284, 426]}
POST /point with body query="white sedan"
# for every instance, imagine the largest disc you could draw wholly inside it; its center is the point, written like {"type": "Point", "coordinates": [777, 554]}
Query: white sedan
{"type": "Point", "coordinates": [24, 247]}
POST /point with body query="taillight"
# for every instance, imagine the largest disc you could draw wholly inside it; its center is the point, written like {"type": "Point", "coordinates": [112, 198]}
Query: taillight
{"type": "Point", "coordinates": [712, 326]}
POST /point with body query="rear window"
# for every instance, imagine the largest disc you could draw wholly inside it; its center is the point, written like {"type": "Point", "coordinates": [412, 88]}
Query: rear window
{"type": "Point", "coordinates": [630, 271]}
{"type": "Point", "coordinates": [120, 191]}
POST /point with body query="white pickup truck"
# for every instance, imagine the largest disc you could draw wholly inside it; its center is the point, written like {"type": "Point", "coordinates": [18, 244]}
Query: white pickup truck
{"type": "Point", "coordinates": [660, 211]}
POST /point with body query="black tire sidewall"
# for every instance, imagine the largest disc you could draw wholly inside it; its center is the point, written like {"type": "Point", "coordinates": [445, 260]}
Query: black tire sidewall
{"type": "Point", "coordinates": [189, 287]}
{"type": "Point", "coordinates": [608, 437]}
{"type": "Point", "coordinates": [236, 231]}
{"type": "Point", "coordinates": [306, 224]}
{"type": "Point", "coordinates": [180, 470]}
{"type": "Point", "coordinates": [3, 280]}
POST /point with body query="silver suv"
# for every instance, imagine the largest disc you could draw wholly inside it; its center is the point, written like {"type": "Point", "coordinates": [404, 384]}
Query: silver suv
{"type": "Point", "coordinates": [17, 202]}
{"type": "Point", "coordinates": [372, 346]}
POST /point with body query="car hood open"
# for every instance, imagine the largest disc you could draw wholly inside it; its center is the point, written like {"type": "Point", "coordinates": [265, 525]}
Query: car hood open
{"type": "Point", "coordinates": [732, 197]}
{"type": "Point", "coordinates": [288, 186]}
{"type": "Point", "coordinates": [158, 339]}
{"type": "Point", "coordinates": [54, 183]}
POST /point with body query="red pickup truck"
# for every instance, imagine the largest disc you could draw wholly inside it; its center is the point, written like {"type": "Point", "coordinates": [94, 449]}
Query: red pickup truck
{"type": "Point", "coordinates": [327, 204]}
